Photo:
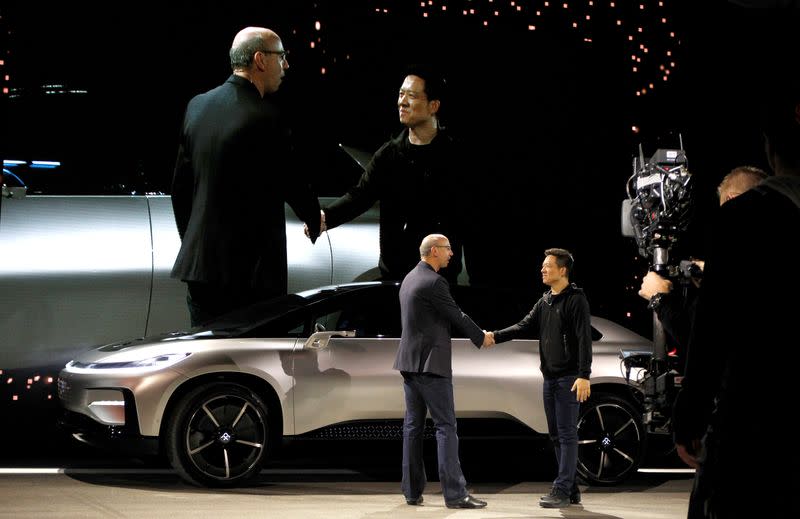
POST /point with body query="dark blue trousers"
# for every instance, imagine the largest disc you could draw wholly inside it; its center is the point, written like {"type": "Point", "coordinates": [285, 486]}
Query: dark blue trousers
{"type": "Point", "coordinates": [425, 392]}
{"type": "Point", "coordinates": [561, 408]}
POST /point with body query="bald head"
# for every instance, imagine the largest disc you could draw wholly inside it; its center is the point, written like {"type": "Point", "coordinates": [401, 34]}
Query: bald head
{"type": "Point", "coordinates": [738, 181]}
{"type": "Point", "coordinates": [429, 241]}
{"type": "Point", "coordinates": [247, 42]}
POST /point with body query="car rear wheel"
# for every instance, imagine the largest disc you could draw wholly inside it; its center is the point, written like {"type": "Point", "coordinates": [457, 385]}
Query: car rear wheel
{"type": "Point", "coordinates": [218, 435]}
{"type": "Point", "coordinates": [611, 439]}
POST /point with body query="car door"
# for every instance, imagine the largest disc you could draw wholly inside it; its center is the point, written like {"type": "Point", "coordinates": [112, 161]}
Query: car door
{"type": "Point", "coordinates": [352, 378]}
{"type": "Point", "coordinates": [75, 271]}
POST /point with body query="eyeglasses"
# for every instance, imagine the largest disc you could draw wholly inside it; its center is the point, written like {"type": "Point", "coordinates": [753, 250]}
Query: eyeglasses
{"type": "Point", "coordinates": [281, 53]}
{"type": "Point", "coordinates": [448, 247]}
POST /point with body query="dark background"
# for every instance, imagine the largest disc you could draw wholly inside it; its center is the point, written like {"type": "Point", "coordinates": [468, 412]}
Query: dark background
{"type": "Point", "coordinates": [550, 112]}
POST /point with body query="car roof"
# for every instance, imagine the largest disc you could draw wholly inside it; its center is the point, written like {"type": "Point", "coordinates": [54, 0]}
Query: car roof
{"type": "Point", "coordinates": [243, 319]}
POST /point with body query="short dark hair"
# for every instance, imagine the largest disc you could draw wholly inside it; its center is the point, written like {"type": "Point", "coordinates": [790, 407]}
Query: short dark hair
{"type": "Point", "coordinates": [563, 258]}
{"type": "Point", "coordinates": [435, 84]}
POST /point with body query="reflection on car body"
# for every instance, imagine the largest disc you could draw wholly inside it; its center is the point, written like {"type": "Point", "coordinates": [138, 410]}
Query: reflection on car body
{"type": "Point", "coordinates": [81, 270]}
{"type": "Point", "coordinates": [319, 364]}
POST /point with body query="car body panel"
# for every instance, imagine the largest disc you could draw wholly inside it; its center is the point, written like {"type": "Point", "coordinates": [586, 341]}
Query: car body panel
{"type": "Point", "coordinates": [74, 271]}
{"type": "Point", "coordinates": [269, 360]}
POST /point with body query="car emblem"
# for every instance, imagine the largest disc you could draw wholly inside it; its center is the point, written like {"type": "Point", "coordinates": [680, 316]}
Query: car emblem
{"type": "Point", "coordinates": [225, 437]}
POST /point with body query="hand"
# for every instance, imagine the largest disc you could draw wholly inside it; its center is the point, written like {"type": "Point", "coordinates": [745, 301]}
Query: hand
{"type": "Point", "coordinates": [653, 284]}
{"type": "Point", "coordinates": [322, 226]}
{"type": "Point", "coordinates": [689, 453]}
{"type": "Point", "coordinates": [582, 389]}
{"type": "Point", "coordinates": [488, 339]}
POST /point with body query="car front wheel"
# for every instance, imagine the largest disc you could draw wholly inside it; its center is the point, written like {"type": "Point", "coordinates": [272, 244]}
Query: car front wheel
{"type": "Point", "coordinates": [611, 439]}
{"type": "Point", "coordinates": [218, 435]}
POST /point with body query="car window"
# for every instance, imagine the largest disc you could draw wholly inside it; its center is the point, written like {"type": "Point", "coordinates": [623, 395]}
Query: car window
{"type": "Point", "coordinates": [373, 313]}
{"type": "Point", "coordinates": [293, 324]}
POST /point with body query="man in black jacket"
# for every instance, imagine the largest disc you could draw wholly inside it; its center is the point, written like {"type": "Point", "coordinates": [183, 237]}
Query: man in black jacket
{"type": "Point", "coordinates": [563, 322]}
{"type": "Point", "coordinates": [230, 184]}
{"type": "Point", "coordinates": [424, 358]}
{"type": "Point", "coordinates": [416, 177]}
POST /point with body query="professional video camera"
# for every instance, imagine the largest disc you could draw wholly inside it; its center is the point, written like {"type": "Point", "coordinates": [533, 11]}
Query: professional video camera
{"type": "Point", "coordinates": [659, 204]}
{"type": "Point", "coordinates": [656, 214]}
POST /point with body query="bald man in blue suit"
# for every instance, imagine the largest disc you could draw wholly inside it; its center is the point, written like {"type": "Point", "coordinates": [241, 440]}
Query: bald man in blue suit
{"type": "Point", "coordinates": [424, 358]}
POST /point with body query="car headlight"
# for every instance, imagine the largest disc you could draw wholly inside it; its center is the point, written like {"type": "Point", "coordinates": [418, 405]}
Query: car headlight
{"type": "Point", "coordinates": [150, 363]}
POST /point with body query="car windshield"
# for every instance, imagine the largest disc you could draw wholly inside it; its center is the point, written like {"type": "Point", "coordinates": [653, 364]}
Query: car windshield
{"type": "Point", "coordinates": [240, 321]}
{"type": "Point", "coordinates": [290, 315]}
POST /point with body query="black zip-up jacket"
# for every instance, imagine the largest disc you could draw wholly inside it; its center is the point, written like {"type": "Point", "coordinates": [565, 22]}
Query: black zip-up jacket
{"type": "Point", "coordinates": [420, 192]}
{"type": "Point", "coordinates": [562, 322]}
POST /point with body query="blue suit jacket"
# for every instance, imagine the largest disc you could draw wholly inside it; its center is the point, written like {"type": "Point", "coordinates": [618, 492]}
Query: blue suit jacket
{"type": "Point", "coordinates": [427, 312]}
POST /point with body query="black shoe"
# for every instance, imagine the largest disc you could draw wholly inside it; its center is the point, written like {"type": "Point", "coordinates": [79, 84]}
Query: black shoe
{"type": "Point", "coordinates": [554, 499]}
{"type": "Point", "coordinates": [416, 501]}
{"type": "Point", "coordinates": [467, 502]}
{"type": "Point", "coordinates": [574, 497]}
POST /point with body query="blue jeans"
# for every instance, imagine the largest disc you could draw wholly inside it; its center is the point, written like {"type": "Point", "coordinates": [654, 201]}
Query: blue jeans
{"type": "Point", "coordinates": [561, 407]}
{"type": "Point", "coordinates": [425, 392]}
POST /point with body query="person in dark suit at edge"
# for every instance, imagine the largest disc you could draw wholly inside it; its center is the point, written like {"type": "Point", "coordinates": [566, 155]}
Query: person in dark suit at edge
{"type": "Point", "coordinates": [424, 358]}
{"type": "Point", "coordinates": [731, 419]}
{"type": "Point", "coordinates": [676, 308]}
{"type": "Point", "coordinates": [231, 181]}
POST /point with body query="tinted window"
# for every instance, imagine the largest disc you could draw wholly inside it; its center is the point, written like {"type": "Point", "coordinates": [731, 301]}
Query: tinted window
{"type": "Point", "coordinates": [293, 324]}
{"type": "Point", "coordinates": [373, 312]}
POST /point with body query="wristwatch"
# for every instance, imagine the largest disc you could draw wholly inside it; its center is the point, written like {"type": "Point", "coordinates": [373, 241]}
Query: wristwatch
{"type": "Point", "coordinates": [655, 301]}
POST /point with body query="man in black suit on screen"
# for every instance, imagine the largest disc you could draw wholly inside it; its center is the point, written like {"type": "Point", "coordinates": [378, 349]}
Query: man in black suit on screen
{"type": "Point", "coordinates": [231, 181]}
{"type": "Point", "coordinates": [424, 358]}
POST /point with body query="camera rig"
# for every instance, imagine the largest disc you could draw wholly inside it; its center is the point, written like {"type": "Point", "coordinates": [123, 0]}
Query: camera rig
{"type": "Point", "coordinates": [657, 214]}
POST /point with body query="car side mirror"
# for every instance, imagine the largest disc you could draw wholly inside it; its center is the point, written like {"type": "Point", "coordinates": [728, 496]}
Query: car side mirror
{"type": "Point", "coordinates": [17, 192]}
{"type": "Point", "coordinates": [319, 340]}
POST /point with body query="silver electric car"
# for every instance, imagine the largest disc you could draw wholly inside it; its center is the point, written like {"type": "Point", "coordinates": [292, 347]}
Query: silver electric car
{"type": "Point", "coordinates": [318, 364]}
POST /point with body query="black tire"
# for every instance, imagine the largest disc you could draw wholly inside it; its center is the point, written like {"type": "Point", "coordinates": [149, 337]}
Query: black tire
{"type": "Point", "coordinates": [611, 439]}
{"type": "Point", "coordinates": [218, 435]}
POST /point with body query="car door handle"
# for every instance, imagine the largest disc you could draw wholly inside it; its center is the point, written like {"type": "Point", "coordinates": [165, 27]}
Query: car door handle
{"type": "Point", "coordinates": [319, 340]}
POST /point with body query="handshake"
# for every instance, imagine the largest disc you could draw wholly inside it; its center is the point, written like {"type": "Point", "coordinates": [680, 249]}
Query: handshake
{"type": "Point", "coordinates": [488, 339]}
{"type": "Point", "coordinates": [322, 226]}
